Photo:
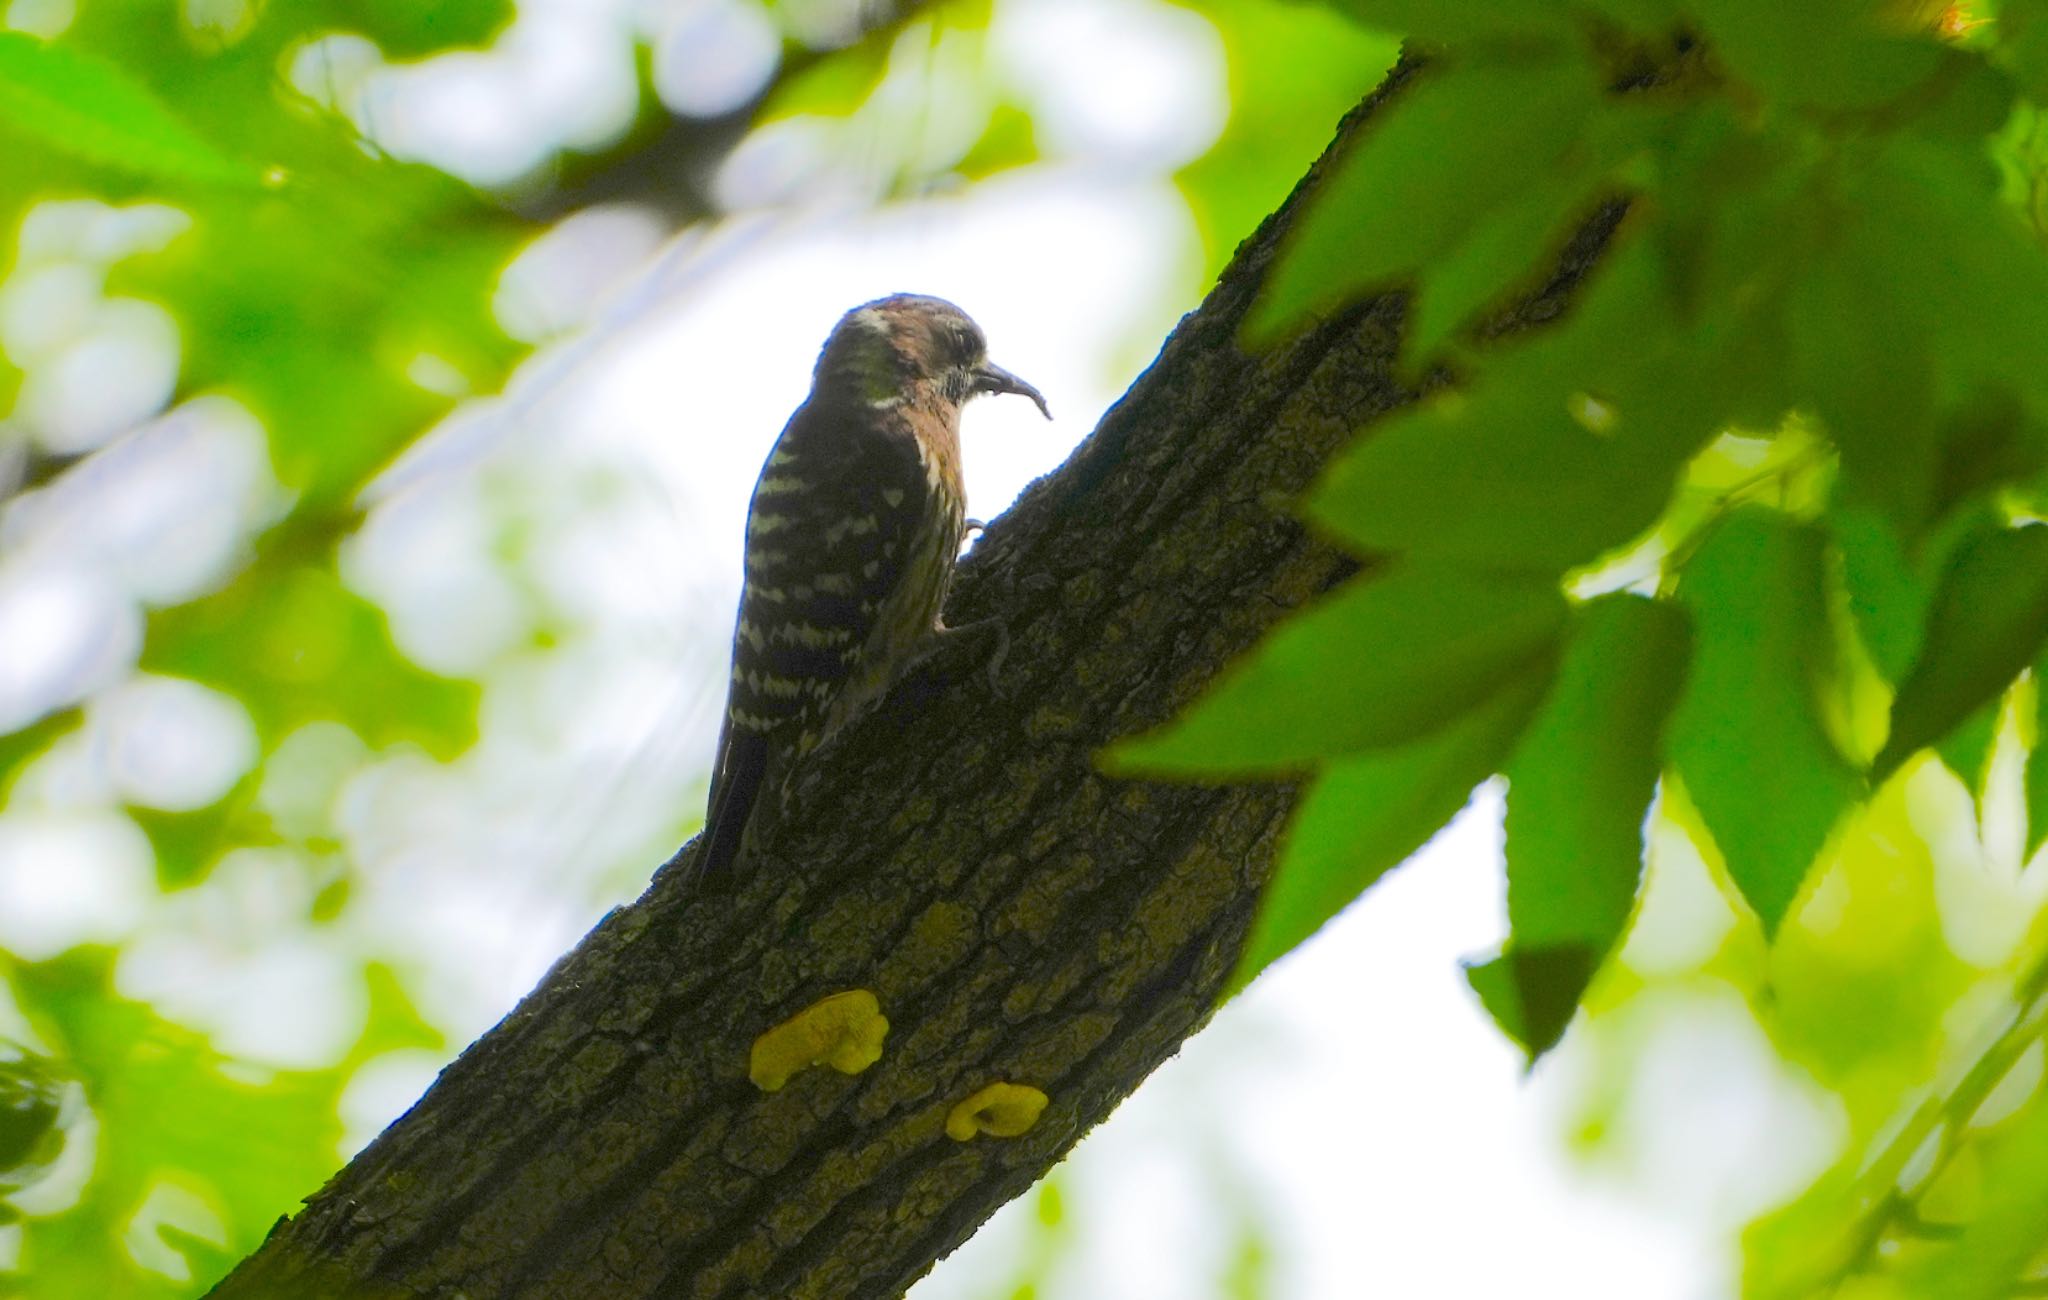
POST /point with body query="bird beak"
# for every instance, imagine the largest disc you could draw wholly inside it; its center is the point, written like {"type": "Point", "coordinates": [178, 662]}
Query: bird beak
{"type": "Point", "coordinates": [992, 378]}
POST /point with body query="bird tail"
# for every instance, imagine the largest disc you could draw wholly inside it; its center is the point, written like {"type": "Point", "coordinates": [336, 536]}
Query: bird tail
{"type": "Point", "coordinates": [735, 788]}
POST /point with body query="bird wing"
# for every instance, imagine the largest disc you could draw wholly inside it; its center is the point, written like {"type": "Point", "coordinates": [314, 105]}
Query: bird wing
{"type": "Point", "coordinates": [836, 516]}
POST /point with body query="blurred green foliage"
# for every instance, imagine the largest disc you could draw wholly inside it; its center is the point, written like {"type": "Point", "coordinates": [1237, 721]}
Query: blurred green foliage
{"type": "Point", "coordinates": [297, 647]}
{"type": "Point", "coordinates": [1294, 71]}
{"type": "Point", "coordinates": [312, 274]}
{"type": "Point", "coordinates": [163, 1104]}
{"type": "Point", "coordinates": [31, 1111]}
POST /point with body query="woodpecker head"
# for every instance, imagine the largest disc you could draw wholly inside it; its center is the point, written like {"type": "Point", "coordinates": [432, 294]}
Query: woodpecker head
{"type": "Point", "coordinates": [909, 348]}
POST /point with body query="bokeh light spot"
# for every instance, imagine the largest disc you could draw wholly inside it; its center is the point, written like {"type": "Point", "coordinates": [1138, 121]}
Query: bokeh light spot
{"type": "Point", "coordinates": [303, 777]}
{"type": "Point", "coordinates": [71, 878]}
{"type": "Point", "coordinates": [557, 281]}
{"type": "Point", "coordinates": [174, 744]}
{"type": "Point", "coordinates": [714, 57]}
{"type": "Point", "coordinates": [44, 18]}
{"type": "Point", "coordinates": [380, 1090]}
{"type": "Point", "coordinates": [46, 306]}
{"type": "Point", "coordinates": [119, 373]}
{"type": "Point", "coordinates": [67, 633]}
{"type": "Point", "coordinates": [177, 1207]}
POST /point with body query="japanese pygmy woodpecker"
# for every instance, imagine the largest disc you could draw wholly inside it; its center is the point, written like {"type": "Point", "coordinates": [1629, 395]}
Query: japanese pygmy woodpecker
{"type": "Point", "coordinates": [854, 527]}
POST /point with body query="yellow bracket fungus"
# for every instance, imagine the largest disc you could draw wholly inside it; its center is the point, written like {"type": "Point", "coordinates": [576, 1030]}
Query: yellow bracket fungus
{"type": "Point", "coordinates": [1001, 1110]}
{"type": "Point", "coordinates": [843, 1031]}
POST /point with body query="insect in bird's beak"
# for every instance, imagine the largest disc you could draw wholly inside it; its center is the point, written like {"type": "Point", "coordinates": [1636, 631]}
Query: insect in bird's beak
{"type": "Point", "coordinates": [992, 378]}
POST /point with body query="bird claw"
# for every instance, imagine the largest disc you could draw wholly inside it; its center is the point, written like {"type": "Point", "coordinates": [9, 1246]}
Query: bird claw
{"type": "Point", "coordinates": [969, 641]}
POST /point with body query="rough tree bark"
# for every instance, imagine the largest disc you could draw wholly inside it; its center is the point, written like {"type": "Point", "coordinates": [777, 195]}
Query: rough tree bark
{"type": "Point", "coordinates": [1020, 917]}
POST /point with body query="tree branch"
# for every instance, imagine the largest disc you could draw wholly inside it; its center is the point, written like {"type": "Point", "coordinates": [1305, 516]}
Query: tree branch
{"type": "Point", "coordinates": [1019, 917]}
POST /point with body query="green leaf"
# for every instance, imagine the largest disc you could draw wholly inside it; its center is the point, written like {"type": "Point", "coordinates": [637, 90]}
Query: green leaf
{"type": "Point", "coordinates": [1455, 148]}
{"type": "Point", "coordinates": [1825, 52]}
{"type": "Point", "coordinates": [1968, 277]}
{"type": "Point", "coordinates": [1885, 595]}
{"type": "Point", "coordinates": [1390, 657]}
{"type": "Point", "coordinates": [18, 747]}
{"type": "Point", "coordinates": [1748, 737]}
{"type": "Point", "coordinates": [394, 1023]}
{"type": "Point", "coordinates": [1986, 441]}
{"type": "Point", "coordinates": [2037, 763]}
{"type": "Point", "coordinates": [410, 28]}
{"type": "Point", "coordinates": [1531, 993]}
{"type": "Point", "coordinates": [1505, 248]}
{"type": "Point", "coordinates": [1907, 335]}
{"type": "Point", "coordinates": [1506, 478]}
{"type": "Point", "coordinates": [1988, 621]}
{"type": "Point", "coordinates": [187, 844]}
{"type": "Point", "coordinates": [1364, 816]}
{"type": "Point", "coordinates": [1434, 22]}
{"type": "Point", "coordinates": [1653, 17]}
{"type": "Point", "coordinates": [1971, 99]}
{"type": "Point", "coordinates": [1966, 750]}
{"type": "Point", "coordinates": [1733, 203]}
{"type": "Point", "coordinates": [1889, 587]}
{"type": "Point", "coordinates": [1579, 788]}
{"type": "Point", "coordinates": [74, 103]}
{"type": "Point", "coordinates": [1870, 375]}
{"type": "Point", "coordinates": [834, 86]}
{"type": "Point", "coordinates": [1010, 141]}
{"type": "Point", "coordinates": [1520, 237]}
{"type": "Point", "coordinates": [2023, 40]}
{"type": "Point", "coordinates": [1568, 446]}
{"type": "Point", "coordinates": [1992, 1255]}
{"type": "Point", "coordinates": [31, 1114]}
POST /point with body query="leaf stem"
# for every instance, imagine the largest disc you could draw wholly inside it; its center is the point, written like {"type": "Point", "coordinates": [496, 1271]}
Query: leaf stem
{"type": "Point", "coordinates": [1944, 1120]}
{"type": "Point", "coordinates": [1732, 498]}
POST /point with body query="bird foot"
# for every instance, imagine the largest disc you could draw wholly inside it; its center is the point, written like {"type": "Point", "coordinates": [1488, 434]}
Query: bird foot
{"type": "Point", "coordinates": [952, 651]}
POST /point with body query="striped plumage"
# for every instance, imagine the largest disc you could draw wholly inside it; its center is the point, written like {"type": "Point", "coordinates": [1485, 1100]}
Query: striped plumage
{"type": "Point", "coordinates": [851, 536]}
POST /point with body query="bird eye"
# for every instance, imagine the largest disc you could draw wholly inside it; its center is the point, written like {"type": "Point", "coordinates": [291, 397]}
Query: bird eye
{"type": "Point", "coordinates": [966, 343]}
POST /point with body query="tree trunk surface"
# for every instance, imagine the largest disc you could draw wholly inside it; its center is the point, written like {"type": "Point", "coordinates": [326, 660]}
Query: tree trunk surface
{"type": "Point", "coordinates": [1019, 917]}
